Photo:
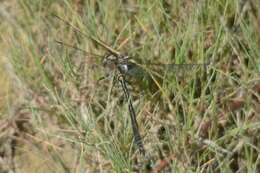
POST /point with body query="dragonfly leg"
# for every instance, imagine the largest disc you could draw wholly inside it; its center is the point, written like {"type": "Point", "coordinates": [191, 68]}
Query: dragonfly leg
{"type": "Point", "coordinates": [102, 78]}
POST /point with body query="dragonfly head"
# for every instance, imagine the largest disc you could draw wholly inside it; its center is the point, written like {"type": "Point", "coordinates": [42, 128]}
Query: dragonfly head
{"type": "Point", "coordinates": [109, 59]}
{"type": "Point", "coordinates": [120, 61]}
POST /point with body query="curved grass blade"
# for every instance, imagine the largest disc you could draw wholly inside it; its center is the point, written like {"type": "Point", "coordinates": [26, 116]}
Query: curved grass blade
{"type": "Point", "coordinates": [97, 41]}
{"type": "Point", "coordinates": [77, 48]}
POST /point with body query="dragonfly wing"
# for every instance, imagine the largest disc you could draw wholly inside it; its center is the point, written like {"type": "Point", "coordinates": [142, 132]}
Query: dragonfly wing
{"type": "Point", "coordinates": [95, 40]}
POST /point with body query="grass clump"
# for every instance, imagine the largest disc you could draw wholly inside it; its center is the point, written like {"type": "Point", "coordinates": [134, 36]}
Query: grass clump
{"type": "Point", "coordinates": [60, 119]}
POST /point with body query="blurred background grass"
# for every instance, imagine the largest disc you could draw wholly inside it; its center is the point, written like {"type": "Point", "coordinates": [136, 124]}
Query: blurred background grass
{"type": "Point", "coordinates": [55, 117]}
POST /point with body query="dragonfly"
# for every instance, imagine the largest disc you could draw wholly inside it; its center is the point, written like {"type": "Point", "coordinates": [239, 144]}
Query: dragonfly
{"type": "Point", "coordinates": [124, 66]}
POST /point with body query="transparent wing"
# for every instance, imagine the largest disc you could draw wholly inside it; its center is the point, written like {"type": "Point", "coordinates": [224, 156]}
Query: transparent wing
{"type": "Point", "coordinates": [138, 68]}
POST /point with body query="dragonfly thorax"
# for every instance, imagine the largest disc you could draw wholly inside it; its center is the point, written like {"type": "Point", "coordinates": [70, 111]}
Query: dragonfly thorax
{"type": "Point", "coordinates": [121, 62]}
{"type": "Point", "coordinates": [126, 67]}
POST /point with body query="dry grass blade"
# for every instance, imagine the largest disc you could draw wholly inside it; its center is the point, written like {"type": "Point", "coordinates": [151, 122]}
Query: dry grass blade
{"type": "Point", "coordinates": [99, 42]}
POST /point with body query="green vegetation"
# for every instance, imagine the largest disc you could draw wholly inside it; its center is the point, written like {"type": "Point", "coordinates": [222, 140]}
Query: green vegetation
{"type": "Point", "coordinates": [56, 117]}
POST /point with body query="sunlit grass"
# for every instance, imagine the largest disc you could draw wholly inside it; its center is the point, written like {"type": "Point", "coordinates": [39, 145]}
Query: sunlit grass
{"type": "Point", "coordinates": [202, 119]}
